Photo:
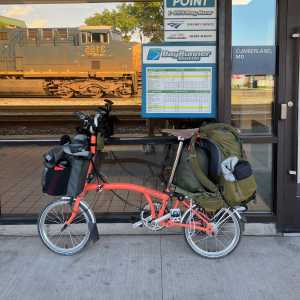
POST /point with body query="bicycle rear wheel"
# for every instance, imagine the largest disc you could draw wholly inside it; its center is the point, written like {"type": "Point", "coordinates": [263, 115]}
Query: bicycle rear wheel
{"type": "Point", "coordinates": [224, 240]}
{"type": "Point", "coordinates": [61, 239]}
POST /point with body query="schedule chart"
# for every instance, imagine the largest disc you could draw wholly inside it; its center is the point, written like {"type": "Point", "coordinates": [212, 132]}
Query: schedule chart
{"type": "Point", "coordinates": [173, 90]}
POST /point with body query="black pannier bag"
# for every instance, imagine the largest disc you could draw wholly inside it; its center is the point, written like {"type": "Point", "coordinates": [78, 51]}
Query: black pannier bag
{"type": "Point", "coordinates": [55, 180]}
{"type": "Point", "coordinates": [66, 170]}
{"type": "Point", "coordinates": [56, 172]}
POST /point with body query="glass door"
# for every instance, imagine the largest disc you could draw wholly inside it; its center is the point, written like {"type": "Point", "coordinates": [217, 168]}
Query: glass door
{"type": "Point", "coordinates": [253, 91]}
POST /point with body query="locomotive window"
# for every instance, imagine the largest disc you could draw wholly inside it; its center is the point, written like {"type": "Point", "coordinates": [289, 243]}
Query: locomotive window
{"type": "Point", "coordinates": [62, 34]}
{"type": "Point", "coordinates": [100, 38]}
{"type": "Point", "coordinates": [3, 36]}
{"type": "Point", "coordinates": [86, 37]}
{"type": "Point", "coordinates": [32, 34]}
{"type": "Point", "coordinates": [47, 34]}
{"type": "Point", "coordinates": [83, 37]}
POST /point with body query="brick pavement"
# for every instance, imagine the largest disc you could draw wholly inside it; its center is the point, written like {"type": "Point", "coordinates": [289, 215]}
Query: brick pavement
{"type": "Point", "coordinates": [20, 178]}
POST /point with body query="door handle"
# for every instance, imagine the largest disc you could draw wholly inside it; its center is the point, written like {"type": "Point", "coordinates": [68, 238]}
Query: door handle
{"type": "Point", "coordinates": [283, 111]}
{"type": "Point", "coordinates": [292, 172]}
{"type": "Point", "coordinates": [296, 35]}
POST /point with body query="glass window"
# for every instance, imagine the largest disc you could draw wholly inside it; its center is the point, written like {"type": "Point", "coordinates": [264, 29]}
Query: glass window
{"type": "Point", "coordinates": [61, 34]}
{"type": "Point", "coordinates": [83, 37]}
{"type": "Point", "coordinates": [253, 65]}
{"type": "Point", "coordinates": [261, 159]}
{"type": "Point", "coordinates": [100, 38]}
{"type": "Point", "coordinates": [47, 34]}
{"type": "Point", "coordinates": [32, 34]}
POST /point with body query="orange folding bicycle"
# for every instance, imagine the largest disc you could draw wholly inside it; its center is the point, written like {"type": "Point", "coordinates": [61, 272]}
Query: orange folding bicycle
{"type": "Point", "coordinates": [68, 224]}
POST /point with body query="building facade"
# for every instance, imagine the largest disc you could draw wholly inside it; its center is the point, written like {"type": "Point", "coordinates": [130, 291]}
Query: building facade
{"type": "Point", "coordinates": [258, 92]}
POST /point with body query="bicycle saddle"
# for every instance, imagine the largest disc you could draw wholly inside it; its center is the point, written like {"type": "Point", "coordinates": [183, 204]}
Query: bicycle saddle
{"type": "Point", "coordinates": [184, 134]}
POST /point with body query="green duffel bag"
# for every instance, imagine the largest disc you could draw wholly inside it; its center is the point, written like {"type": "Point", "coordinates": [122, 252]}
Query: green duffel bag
{"type": "Point", "coordinates": [211, 202]}
{"type": "Point", "coordinates": [184, 177]}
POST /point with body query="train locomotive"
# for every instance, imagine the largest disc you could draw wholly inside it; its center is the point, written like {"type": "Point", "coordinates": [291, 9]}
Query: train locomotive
{"type": "Point", "coordinates": [89, 61]}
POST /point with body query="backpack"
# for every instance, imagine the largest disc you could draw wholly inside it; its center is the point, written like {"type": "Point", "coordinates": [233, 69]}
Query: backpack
{"type": "Point", "coordinates": [225, 177]}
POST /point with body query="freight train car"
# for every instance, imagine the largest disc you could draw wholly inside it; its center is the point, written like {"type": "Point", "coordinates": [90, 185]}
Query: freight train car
{"type": "Point", "coordinates": [90, 61]}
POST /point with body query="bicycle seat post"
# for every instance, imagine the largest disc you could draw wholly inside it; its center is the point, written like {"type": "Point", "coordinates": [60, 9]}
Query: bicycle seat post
{"type": "Point", "coordinates": [178, 154]}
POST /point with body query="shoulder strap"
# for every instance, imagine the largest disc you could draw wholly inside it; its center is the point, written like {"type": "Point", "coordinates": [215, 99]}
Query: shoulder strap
{"type": "Point", "coordinates": [209, 185]}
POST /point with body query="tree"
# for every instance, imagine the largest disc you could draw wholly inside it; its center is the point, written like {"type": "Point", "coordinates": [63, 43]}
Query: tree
{"type": "Point", "coordinates": [149, 16]}
{"type": "Point", "coordinates": [144, 17]}
{"type": "Point", "coordinates": [118, 18]}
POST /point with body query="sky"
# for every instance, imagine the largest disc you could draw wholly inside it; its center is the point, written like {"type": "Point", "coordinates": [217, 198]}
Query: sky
{"type": "Point", "coordinates": [53, 15]}
{"type": "Point", "coordinates": [253, 20]}
{"type": "Point", "coordinates": [254, 24]}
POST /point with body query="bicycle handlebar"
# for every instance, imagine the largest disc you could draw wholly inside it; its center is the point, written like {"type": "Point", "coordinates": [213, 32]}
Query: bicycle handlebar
{"type": "Point", "coordinates": [92, 125]}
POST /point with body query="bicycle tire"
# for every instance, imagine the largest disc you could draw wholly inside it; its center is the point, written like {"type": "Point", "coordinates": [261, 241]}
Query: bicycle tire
{"type": "Point", "coordinates": [44, 227]}
{"type": "Point", "coordinates": [217, 254]}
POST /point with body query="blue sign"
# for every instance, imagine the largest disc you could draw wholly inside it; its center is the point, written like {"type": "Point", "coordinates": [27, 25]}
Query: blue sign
{"type": "Point", "coordinates": [190, 3]}
{"type": "Point", "coordinates": [253, 60]}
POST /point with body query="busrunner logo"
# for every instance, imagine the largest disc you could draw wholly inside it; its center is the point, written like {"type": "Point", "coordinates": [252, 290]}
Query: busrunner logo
{"type": "Point", "coordinates": [178, 55]}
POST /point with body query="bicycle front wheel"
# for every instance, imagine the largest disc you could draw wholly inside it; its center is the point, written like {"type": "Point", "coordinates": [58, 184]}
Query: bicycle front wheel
{"type": "Point", "coordinates": [61, 239]}
{"type": "Point", "coordinates": [224, 240]}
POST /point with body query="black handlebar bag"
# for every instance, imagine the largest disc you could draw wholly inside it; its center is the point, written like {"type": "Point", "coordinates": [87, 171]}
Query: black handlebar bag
{"type": "Point", "coordinates": [65, 171]}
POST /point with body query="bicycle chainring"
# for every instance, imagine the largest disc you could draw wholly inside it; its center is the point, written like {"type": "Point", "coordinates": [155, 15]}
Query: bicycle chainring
{"type": "Point", "coordinates": [146, 217]}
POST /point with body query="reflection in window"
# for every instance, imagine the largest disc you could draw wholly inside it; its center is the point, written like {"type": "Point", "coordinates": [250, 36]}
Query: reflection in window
{"type": "Point", "coordinates": [3, 36]}
{"type": "Point", "coordinates": [61, 34]}
{"type": "Point", "coordinates": [32, 34]}
{"type": "Point", "coordinates": [253, 65]}
{"type": "Point", "coordinates": [261, 159]}
{"type": "Point", "coordinates": [100, 38]}
{"type": "Point", "coordinates": [47, 34]}
{"type": "Point", "coordinates": [86, 37]}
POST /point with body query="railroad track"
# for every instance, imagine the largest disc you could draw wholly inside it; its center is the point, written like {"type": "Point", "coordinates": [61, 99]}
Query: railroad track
{"type": "Point", "coordinates": [40, 115]}
{"type": "Point", "coordinates": [50, 109]}
{"type": "Point", "coordinates": [43, 113]}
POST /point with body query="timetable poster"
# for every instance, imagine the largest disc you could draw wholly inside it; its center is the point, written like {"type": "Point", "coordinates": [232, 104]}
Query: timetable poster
{"type": "Point", "coordinates": [179, 82]}
{"type": "Point", "coordinates": [179, 90]}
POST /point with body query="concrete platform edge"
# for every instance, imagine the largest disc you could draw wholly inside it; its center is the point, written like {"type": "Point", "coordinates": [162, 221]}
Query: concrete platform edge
{"type": "Point", "coordinates": [251, 229]}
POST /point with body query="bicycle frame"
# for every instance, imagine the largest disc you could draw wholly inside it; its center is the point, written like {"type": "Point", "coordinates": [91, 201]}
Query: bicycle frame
{"type": "Point", "coordinates": [149, 194]}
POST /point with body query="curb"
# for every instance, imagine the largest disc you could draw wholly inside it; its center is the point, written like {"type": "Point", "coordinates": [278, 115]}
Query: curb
{"type": "Point", "coordinates": [251, 229]}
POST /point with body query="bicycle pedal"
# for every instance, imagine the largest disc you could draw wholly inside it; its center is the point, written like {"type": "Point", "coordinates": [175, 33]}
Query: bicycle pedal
{"type": "Point", "coordinates": [137, 224]}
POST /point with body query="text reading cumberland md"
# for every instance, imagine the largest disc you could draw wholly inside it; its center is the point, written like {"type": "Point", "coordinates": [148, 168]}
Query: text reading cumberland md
{"type": "Point", "coordinates": [179, 55]}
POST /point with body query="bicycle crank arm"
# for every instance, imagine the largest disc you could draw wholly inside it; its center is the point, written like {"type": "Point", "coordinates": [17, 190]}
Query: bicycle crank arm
{"type": "Point", "coordinates": [161, 219]}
